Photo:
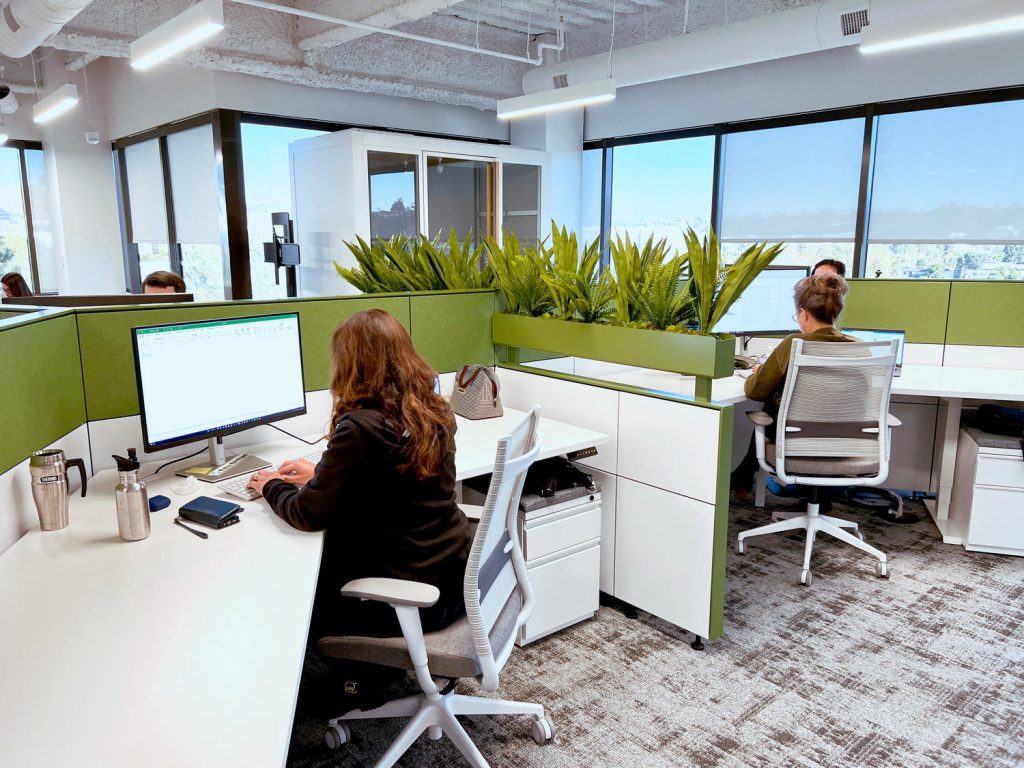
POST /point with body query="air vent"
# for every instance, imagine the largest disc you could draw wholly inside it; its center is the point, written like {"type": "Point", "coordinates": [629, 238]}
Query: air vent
{"type": "Point", "coordinates": [560, 81]}
{"type": "Point", "coordinates": [854, 21]}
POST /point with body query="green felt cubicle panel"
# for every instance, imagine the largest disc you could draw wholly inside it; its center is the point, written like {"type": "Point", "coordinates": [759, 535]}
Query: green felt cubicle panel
{"type": "Point", "coordinates": [453, 329]}
{"type": "Point", "coordinates": [986, 314]}
{"type": "Point", "coordinates": [721, 530]}
{"type": "Point", "coordinates": [108, 365]}
{"type": "Point", "coordinates": [42, 386]}
{"type": "Point", "coordinates": [917, 306]}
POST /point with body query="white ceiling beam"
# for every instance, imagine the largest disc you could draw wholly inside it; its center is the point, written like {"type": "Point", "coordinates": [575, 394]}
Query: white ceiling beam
{"type": "Point", "coordinates": [99, 45]}
{"type": "Point", "coordinates": [400, 13]}
{"type": "Point", "coordinates": [24, 88]}
{"type": "Point", "coordinates": [81, 62]}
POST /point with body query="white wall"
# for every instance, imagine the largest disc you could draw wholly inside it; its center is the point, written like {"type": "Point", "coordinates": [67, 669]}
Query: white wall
{"type": "Point", "coordinates": [83, 198]}
{"type": "Point", "coordinates": [835, 78]}
{"type": "Point", "coordinates": [560, 134]}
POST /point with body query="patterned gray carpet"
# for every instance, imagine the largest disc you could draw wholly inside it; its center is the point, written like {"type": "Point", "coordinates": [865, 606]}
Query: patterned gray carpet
{"type": "Point", "coordinates": [924, 670]}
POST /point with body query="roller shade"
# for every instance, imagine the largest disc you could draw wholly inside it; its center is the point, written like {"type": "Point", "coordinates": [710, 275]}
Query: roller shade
{"type": "Point", "coordinates": [146, 192]}
{"type": "Point", "coordinates": [796, 183]}
{"type": "Point", "coordinates": [194, 186]}
{"type": "Point", "coordinates": [950, 175]}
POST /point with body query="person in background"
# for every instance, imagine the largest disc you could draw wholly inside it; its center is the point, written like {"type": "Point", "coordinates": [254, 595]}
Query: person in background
{"type": "Point", "coordinates": [14, 286]}
{"type": "Point", "coordinates": [383, 492]}
{"type": "Point", "coordinates": [163, 282]}
{"type": "Point", "coordinates": [829, 267]}
{"type": "Point", "coordinates": [819, 301]}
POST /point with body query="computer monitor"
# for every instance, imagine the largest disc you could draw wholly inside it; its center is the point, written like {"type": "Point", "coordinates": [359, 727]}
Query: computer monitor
{"type": "Point", "coordinates": [207, 379]}
{"type": "Point", "coordinates": [766, 306]}
{"type": "Point", "coordinates": [879, 334]}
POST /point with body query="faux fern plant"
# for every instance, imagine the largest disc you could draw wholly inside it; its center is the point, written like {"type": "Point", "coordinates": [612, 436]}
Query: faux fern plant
{"type": "Point", "coordinates": [580, 290]}
{"type": "Point", "coordinates": [519, 274]}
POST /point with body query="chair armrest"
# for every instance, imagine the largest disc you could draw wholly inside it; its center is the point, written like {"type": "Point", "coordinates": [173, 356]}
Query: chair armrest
{"type": "Point", "coordinates": [760, 418]}
{"type": "Point", "coordinates": [892, 421]}
{"type": "Point", "coordinates": [473, 512]}
{"type": "Point", "coordinates": [393, 592]}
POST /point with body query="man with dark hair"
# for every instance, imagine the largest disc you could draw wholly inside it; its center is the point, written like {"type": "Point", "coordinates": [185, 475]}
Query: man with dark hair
{"type": "Point", "coordinates": [163, 282]}
{"type": "Point", "coordinates": [829, 267]}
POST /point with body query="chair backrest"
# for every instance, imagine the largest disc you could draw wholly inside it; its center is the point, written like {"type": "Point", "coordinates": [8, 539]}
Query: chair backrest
{"type": "Point", "coordinates": [835, 403]}
{"type": "Point", "coordinates": [498, 595]}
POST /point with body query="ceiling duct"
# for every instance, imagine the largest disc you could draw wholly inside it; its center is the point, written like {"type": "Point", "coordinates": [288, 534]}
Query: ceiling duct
{"type": "Point", "coordinates": [8, 101]}
{"type": "Point", "coordinates": [25, 24]}
{"type": "Point", "coordinates": [806, 29]}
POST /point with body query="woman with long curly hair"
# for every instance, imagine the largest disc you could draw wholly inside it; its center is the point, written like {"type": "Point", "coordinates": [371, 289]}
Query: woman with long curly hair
{"type": "Point", "coordinates": [384, 490]}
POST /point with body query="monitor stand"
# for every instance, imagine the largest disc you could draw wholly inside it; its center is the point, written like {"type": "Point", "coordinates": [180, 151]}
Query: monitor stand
{"type": "Point", "coordinates": [221, 467]}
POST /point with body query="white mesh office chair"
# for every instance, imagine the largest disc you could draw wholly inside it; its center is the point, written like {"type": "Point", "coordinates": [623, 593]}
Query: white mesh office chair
{"type": "Point", "coordinates": [833, 430]}
{"type": "Point", "coordinates": [499, 601]}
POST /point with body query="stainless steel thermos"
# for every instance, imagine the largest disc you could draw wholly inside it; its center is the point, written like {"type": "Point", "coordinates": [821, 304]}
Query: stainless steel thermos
{"type": "Point", "coordinates": [132, 499]}
{"type": "Point", "coordinates": [49, 470]}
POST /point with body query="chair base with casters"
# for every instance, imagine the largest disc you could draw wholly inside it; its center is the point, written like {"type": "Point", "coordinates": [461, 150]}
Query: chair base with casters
{"type": "Point", "coordinates": [813, 522]}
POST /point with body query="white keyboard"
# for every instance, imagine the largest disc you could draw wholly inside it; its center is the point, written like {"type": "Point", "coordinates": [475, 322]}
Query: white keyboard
{"type": "Point", "coordinates": [237, 486]}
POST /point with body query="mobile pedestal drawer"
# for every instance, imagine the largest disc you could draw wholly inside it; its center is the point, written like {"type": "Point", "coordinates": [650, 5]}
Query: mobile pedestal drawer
{"type": "Point", "coordinates": [562, 546]}
{"type": "Point", "coordinates": [987, 505]}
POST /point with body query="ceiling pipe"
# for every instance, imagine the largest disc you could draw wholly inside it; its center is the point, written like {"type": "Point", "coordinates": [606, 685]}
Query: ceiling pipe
{"type": "Point", "coordinates": [369, 28]}
{"type": "Point", "coordinates": [807, 29]}
{"type": "Point", "coordinates": [25, 24]}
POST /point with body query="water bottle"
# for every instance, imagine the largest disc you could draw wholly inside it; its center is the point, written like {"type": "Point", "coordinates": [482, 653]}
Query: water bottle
{"type": "Point", "coordinates": [132, 499]}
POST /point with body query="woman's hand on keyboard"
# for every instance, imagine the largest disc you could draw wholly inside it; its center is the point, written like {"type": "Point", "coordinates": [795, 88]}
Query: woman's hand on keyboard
{"type": "Point", "coordinates": [297, 471]}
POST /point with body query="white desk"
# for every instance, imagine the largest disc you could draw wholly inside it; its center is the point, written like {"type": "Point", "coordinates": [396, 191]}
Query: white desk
{"type": "Point", "coordinates": [952, 385]}
{"type": "Point", "coordinates": [171, 651]}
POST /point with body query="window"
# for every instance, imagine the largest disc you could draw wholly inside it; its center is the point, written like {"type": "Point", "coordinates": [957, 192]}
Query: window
{"type": "Point", "coordinates": [392, 194]}
{"type": "Point", "coordinates": [662, 187]}
{"type": "Point", "coordinates": [268, 186]}
{"type": "Point", "coordinates": [795, 184]}
{"type": "Point", "coordinates": [593, 161]}
{"type": "Point", "coordinates": [947, 198]}
{"type": "Point", "coordinates": [15, 255]}
{"type": "Point", "coordinates": [520, 199]}
{"type": "Point", "coordinates": [42, 223]}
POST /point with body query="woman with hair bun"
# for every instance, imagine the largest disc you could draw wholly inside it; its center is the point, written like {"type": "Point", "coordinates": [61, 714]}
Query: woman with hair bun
{"type": "Point", "coordinates": [819, 301]}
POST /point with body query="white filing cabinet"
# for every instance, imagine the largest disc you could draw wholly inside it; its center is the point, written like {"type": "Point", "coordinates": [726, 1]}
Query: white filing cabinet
{"type": "Point", "coordinates": [987, 506]}
{"type": "Point", "coordinates": [562, 546]}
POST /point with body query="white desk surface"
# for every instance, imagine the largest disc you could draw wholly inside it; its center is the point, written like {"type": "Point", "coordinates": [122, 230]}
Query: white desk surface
{"type": "Point", "coordinates": [922, 380]}
{"type": "Point", "coordinates": [171, 651]}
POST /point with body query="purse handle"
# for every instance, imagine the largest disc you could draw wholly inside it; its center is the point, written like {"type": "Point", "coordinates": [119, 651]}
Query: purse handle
{"type": "Point", "coordinates": [464, 382]}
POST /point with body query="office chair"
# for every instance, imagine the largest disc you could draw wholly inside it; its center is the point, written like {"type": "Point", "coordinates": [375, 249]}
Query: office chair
{"type": "Point", "coordinates": [833, 430]}
{"type": "Point", "coordinates": [499, 600]}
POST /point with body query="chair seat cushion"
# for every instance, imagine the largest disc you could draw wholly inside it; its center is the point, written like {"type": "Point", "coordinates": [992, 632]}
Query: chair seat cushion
{"type": "Point", "coordinates": [825, 467]}
{"type": "Point", "coordinates": [450, 651]}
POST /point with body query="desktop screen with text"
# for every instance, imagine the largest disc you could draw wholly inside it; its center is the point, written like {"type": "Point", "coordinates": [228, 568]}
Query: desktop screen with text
{"type": "Point", "coordinates": [196, 379]}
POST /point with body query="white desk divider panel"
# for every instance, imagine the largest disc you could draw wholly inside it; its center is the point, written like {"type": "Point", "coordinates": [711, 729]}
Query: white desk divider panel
{"type": "Point", "coordinates": [659, 476]}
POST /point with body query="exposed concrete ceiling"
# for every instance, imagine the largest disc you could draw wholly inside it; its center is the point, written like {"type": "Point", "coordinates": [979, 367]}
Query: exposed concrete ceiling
{"type": "Point", "coordinates": [283, 47]}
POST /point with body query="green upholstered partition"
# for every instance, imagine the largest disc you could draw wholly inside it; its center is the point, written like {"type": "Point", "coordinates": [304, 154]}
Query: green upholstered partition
{"type": "Point", "coordinates": [986, 314]}
{"type": "Point", "coordinates": [108, 366]}
{"type": "Point", "coordinates": [42, 385]}
{"type": "Point", "coordinates": [919, 307]}
{"type": "Point", "coordinates": [453, 329]}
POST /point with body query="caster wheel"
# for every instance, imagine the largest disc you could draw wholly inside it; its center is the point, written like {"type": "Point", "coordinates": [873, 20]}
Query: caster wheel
{"type": "Point", "coordinates": [882, 570]}
{"type": "Point", "coordinates": [858, 534]}
{"type": "Point", "coordinates": [741, 548]}
{"type": "Point", "coordinates": [806, 577]}
{"type": "Point", "coordinates": [543, 731]}
{"type": "Point", "coordinates": [336, 735]}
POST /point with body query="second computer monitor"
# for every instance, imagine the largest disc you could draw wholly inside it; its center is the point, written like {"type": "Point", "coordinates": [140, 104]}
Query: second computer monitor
{"type": "Point", "coordinates": [766, 306]}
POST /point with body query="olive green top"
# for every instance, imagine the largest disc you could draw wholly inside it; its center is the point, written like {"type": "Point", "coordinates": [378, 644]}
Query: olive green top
{"type": "Point", "coordinates": [766, 385]}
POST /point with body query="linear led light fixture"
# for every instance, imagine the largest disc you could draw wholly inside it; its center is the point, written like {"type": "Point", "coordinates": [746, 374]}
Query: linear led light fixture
{"type": "Point", "coordinates": [571, 96]}
{"type": "Point", "coordinates": [977, 20]}
{"type": "Point", "coordinates": [55, 104]}
{"type": "Point", "coordinates": [202, 20]}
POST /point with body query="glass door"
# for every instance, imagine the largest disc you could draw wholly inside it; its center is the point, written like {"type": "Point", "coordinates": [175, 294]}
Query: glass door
{"type": "Point", "coordinates": [393, 198]}
{"type": "Point", "coordinates": [461, 195]}
{"type": "Point", "coordinates": [520, 201]}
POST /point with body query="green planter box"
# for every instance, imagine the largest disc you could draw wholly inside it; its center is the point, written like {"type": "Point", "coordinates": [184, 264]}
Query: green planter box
{"type": "Point", "coordinates": [703, 356]}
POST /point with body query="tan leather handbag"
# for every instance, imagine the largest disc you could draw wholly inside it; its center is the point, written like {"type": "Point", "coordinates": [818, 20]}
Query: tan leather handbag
{"type": "Point", "coordinates": [476, 393]}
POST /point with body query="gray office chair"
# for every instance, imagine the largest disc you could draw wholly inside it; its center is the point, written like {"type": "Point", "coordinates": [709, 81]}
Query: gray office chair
{"type": "Point", "coordinates": [499, 600]}
{"type": "Point", "coordinates": [833, 430]}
